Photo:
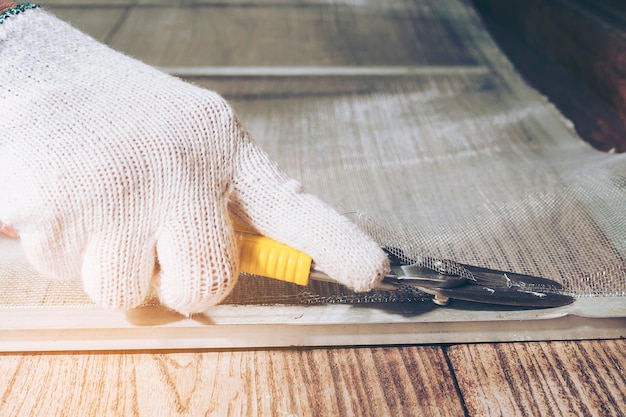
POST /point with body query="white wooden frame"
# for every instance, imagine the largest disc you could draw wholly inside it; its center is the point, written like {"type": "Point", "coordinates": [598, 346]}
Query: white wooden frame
{"type": "Point", "coordinates": [230, 326]}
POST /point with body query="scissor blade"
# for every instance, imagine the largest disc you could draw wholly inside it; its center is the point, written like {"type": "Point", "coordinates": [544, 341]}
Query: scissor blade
{"type": "Point", "coordinates": [496, 278]}
{"type": "Point", "coordinates": [514, 296]}
{"type": "Point", "coordinates": [473, 273]}
{"type": "Point", "coordinates": [419, 276]}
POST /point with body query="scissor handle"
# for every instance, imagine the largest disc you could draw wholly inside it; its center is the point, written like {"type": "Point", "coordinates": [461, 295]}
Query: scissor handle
{"type": "Point", "coordinates": [263, 256]}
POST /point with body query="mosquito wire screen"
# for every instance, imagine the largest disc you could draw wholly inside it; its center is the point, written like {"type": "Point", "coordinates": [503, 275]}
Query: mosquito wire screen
{"type": "Point", "coordinates": [457, 159]}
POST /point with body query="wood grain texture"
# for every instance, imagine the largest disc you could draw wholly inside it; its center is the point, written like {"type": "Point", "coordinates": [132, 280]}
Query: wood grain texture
{"type": "Point", "coordinates": [100, 23]}
{"type": "Point", "coordinates": [587, 37]}
{"type": "Point", "coordinates": [594, 118]}
{"type": "Point", "coordinates": [520, 379]}
{"type": "Point", "coordinates": [542, 379]}
{"type": "Point", "coordinates": [288, 35]}
{"type": "Point", "coordinates": [407, 381]}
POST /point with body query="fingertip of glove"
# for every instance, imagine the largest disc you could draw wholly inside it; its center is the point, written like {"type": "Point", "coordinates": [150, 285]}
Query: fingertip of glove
{"type": "Point", "coordinates": [196, 293]}
{"type": "Point", "coordinates": [188, 303]}
{"type": "Point", "coordinates": [372, 273]}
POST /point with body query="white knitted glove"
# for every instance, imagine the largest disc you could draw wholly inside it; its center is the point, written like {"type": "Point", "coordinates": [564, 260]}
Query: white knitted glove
{"type": "Point", "coordinates": [108, 166]}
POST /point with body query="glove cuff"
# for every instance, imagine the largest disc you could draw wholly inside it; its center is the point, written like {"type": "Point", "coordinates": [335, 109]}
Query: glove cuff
{"type": "Point", "coordinates": [20, 8]}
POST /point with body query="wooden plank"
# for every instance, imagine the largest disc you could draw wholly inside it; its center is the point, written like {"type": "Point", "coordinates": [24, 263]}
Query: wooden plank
{"type": "Point", "coordinates": [590, 41]}
{"type": "Point", "coordinates": [245, 326]}
{"type": "Point", "coordinates": [325, 71]}
{"type": "Point", "coordinates": [616, 8]}
{"type": "Point", "coordinates": [88, 3]}
{"type": "Point", "coordinates": [542, 379]}
{"type": "Point", "coordinates": [97, 22]}
{"type": "Point", "coordinates": [408, 381]}
{"type": "Point", "coordinates": [319, 35]}
{"type": "Point", "coordinates": [594, 118]}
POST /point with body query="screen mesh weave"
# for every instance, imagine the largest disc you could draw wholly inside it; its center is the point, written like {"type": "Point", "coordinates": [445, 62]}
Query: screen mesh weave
{"type": "Point", "coordinates": [460, 160]}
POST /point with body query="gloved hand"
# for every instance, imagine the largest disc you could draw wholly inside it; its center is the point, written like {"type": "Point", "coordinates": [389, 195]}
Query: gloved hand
{"type": "Point", "coordinates": [109, 167]}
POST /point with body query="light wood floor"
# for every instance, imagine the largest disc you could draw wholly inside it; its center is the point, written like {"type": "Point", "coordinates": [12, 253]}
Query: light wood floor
{"type": "Point", "coordinates": [517, 379]}
{"type": "Point", "coordinates": [585, 378]}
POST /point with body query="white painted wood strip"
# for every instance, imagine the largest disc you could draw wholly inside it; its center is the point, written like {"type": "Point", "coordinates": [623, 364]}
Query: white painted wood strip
{"type": "Point", "coordinates": [228, 326]}
{"type": "Point", "coordinates": [321, 71]}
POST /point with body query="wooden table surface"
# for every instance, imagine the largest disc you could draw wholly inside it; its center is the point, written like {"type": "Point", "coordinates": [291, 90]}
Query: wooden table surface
{"type": "Point", "coordinates": [583, 378]}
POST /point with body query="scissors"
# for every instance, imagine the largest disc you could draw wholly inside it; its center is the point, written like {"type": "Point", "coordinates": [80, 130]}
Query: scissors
{"type": "Point", "coordinates": [444, 279]}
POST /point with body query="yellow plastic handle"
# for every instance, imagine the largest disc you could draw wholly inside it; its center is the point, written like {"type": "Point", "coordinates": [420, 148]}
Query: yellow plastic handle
{"type": "Point", "coordinates": [260, 255]}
